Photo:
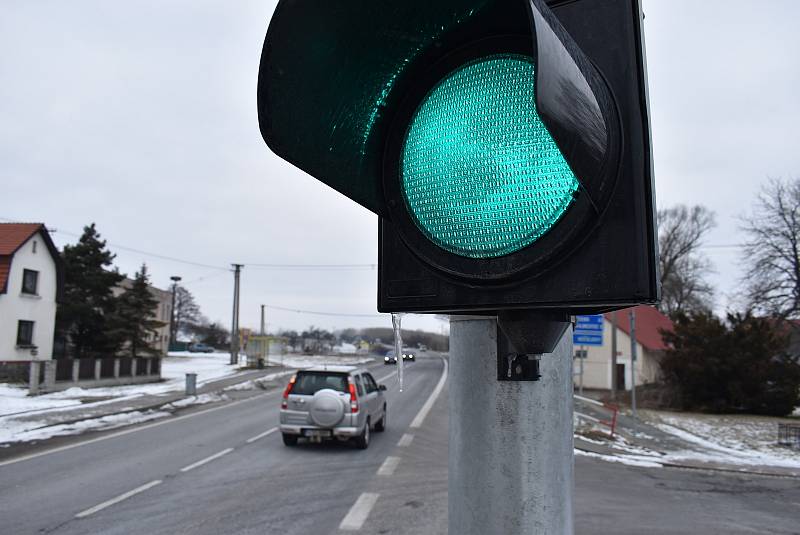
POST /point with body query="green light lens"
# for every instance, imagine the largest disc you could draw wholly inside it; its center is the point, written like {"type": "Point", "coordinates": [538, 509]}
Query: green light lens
{"type": "Point", "coordinates": [481, 175]}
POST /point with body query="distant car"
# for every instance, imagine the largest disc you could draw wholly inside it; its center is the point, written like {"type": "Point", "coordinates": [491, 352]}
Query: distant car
{"type": "Point", "coordinates": [408, 354]}
{"type": "Point", "coordinates": [390, 358]}
{"type": "Point", "coordinates": [332, 402]}
{"type": "Point", "coordinates": [200, 348]}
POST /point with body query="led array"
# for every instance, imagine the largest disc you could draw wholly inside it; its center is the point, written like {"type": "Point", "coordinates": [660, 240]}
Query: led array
{"type": "Point", "coordinates": [481, 174]}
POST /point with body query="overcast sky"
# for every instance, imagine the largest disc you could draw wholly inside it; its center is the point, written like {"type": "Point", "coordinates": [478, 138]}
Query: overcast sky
{"type": "Point", "coordinates": [141, 117]}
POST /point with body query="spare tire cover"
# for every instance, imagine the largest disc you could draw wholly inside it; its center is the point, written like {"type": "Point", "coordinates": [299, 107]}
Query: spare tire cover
{"type": "Point", "coordinates": [327, 408]}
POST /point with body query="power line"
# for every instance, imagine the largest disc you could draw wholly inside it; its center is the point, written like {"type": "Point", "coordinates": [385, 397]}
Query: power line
{"type": "Point", "coordinates": [368, 267]}
{"type": "Point", "coordinates": [259, 266]}
{"type": "Point", "coordinates": [340, 314]}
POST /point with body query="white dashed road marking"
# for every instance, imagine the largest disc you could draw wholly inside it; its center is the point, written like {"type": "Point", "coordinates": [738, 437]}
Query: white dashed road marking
{"type": "Point", "coordinates": [405, 440]}
{"type": "Point", "coordinates": [262, 435]}
{"type": "Point", "coordinates": [121, 497]}
{"type": "Point", "coordinates": [389, 466]}
{"type": "Point", "coordinates": [206, 460]}
{"type": "Point", "coordinates": [359, 512]}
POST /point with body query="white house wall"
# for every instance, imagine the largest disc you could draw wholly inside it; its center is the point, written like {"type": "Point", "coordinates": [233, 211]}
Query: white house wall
{"type": "Point", "coordinates": [41, 308]}
{"type": "Point", "coordinates": [597, 365]}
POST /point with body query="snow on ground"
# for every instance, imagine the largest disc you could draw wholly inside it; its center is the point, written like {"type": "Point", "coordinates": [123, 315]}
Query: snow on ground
{"type": "Point", "coordinates": [207, 366]}
{"type": "Point", "coordinates": [630, 460]}
{"type": "Point", "coordinates": [14, 433]}
{"type": "Point", "coordinates": [14, 399]}
{"type": "Point", "coordinates": [256, 383]}
{"type": "Point", "coordinates": [202, 399]}
{"type": "Point", "coordinates": [734, 439]}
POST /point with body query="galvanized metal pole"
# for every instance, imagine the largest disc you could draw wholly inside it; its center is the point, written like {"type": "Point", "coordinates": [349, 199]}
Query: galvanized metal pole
{"type": "Point", "coordinates": [262, 320]}
{"type": "Point", "coordinates": [614, 385]}
{"type": "Point", "coordinates": [511, 452]}
{"type": "Point", "coordinates": [633, 363]}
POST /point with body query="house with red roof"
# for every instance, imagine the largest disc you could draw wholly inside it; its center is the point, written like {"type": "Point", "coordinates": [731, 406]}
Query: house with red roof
{"type": "Point", "coordinates": [30, 284]}
{"type": "Point", "coordinates": [597, 366]}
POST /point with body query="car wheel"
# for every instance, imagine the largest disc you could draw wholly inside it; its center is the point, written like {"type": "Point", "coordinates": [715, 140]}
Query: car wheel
{"type": "Point", "coordinates": [289, 440]}
{"type": "Point", "coordinates": [381, 426]}
{"type": "Point", "coordinates": [362, 442]}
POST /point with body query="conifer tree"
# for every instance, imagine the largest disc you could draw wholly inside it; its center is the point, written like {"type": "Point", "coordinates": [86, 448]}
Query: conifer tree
{"type": "Point", "coordinates": [86, 315]}
{"type": "Point", "coordinates": [136, 310]}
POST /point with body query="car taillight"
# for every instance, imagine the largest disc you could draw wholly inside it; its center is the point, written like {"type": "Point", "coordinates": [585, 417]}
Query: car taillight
{"type": "Point", "coordinates": [353, 398]}
{"type": "Point", "coordinates": [285, 402]}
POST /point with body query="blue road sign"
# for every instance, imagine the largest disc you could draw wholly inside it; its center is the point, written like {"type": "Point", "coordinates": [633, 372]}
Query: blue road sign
{"type": "Point", "coordinates": [588, 330]}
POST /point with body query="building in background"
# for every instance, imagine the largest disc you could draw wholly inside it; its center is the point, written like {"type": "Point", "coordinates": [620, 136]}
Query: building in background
{"type": "Point", "coordinates": [162, 313]}
{"type": "Point", "coordinates": [31, 281]}
{"type": "Point", "coordinates": [597, 368]}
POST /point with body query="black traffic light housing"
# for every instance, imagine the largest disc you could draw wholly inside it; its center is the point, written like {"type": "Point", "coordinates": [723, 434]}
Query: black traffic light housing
{"type": "Point", "coordinates": [339, 83]}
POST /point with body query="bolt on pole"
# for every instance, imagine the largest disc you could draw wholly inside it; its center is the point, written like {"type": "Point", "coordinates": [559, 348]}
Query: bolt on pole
{"type": "Point", "coordinates": [511, 450]}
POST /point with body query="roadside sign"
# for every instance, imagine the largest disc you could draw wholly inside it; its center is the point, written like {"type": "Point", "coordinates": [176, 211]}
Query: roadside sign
{"type": "Point", "coordinates": [588, 330]}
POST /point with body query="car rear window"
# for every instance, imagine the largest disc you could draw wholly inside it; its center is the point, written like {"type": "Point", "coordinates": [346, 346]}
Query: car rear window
{"type": "Point", "coordinates": [308, 383]}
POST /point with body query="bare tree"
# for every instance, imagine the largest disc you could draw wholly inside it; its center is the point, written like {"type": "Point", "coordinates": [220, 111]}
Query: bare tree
{"type": "Point", "coordinates": [681, 230]}
{"type": "Point", "coordinates": [771, 252]}
{"type": "Point", "coordinates": [187, 312]}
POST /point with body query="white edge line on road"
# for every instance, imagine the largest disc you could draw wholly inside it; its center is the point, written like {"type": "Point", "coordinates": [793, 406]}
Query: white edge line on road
{"type": "Point", "coordinates": [262, 435]}
{"type": "Point", "coordinates": [167, 420]}
{"type": "Point", "coordinates": [208, 459]}
{"type": "Point", "coordinates": [359, 512]}
{"type": "Point", "coordinates": [423, 412]}
{"type": "Point", "coordinates": [389, 466]}
{"type": "Point", "coordinates": [121, 497]}
{"type": "Point", "coordinates": [405, 440]}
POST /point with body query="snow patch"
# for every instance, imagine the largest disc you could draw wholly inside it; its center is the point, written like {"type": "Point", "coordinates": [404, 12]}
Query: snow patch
{"type": "Point", "coordinates": [112, 421]}
{"type": "Point", "coordinates": [630, 460]}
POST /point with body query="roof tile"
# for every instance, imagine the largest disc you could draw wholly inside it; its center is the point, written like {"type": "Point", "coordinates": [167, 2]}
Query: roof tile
{"type": "Point", "coordinates": [649, 321]}
{"type": "Point", "coordinates": [13, 235]}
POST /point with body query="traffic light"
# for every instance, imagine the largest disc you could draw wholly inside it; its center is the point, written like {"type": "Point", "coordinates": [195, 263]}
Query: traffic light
{"type": "Point", "coordinates": [504, 144]}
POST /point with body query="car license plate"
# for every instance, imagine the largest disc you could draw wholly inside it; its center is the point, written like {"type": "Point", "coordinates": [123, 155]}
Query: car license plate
{"type": "Point", "coordinates": [317, 433]}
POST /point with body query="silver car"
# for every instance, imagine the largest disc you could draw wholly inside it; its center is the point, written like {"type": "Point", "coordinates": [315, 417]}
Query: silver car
{"type": "Point", "coordinates": [332, 402]}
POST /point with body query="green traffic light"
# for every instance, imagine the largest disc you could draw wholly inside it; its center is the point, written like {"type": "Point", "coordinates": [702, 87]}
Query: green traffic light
{"type": "Point", "coordinates": [481, 175]}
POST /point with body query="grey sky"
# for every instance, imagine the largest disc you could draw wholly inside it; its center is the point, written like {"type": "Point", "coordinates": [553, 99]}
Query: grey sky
{"type": "Point", "coordinates": [140, 116]}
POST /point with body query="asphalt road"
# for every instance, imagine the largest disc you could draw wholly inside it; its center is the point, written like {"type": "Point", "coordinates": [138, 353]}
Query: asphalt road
{"type": "Point", "coordinates": [216, 471]}
{"type": "Point", "coordinates": [253, 485]}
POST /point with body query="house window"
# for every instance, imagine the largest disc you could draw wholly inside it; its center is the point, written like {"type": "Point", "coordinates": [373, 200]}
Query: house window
{"type": "Point", "coordinates": [24, 333]}
{"type": "Point", "coordinates": [30, 280]}
{"type": "Point", "coordinates": [34, 246]}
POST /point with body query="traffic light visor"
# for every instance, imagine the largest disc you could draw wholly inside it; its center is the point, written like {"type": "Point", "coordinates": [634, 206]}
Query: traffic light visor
{"type": "Point", "coordinates": [480, 173]}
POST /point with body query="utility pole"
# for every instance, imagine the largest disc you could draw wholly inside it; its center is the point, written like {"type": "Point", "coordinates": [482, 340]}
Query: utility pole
{"type": "Point", "coordinates": [614, 385]}
{"type": "Point", "coordinates": [633, 363]}
{"type": "Point", "coordinates": [172, 327]}
{"type": "Point", "coordinates": [511, 451]}
{"type": "Point", "coordinates": [235, 323]}
{"type": "Point", "coordinates": [262, 321]}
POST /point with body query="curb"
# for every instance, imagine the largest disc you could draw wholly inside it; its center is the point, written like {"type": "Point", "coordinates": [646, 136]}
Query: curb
{"type": "Point", "coordinates": [671, 464]}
